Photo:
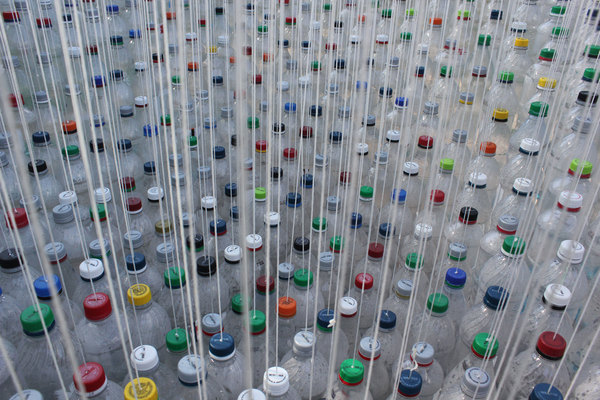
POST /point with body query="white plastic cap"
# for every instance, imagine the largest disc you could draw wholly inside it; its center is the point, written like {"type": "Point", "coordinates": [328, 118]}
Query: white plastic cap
{"type": "Point", "coordinates": [303, 81]}
{"type": "Point", "coordinates": [29, 394]}
{"type": "Point", "coordinates": [369, 347]}
{"type": "Point", "coordinates": [144, 357]}
{"type": "Point", "coordinates": [276, 381]}
{"type": "Point", "coordinates": [304, 341]}
{"type": "Point", "coordinates": [348, 306]}
{"type": "Point", "coordinates": [557, 295]}
{"type": "Point", "coordinates": [410, 168]}
{"type": "Point", "coordinates": [141, 101]}
{"type": "Point", "coordinates": [102, 195]}
{"type": "Point", "coordinates": [155, 193]}
{"type": "Point", "coordinates": [523, 185]}
{"type": "Point", "coordinates": [90, 269]}
{"type": "Point", "coordinates": [189, 368]}
{"type": "Point", "coordinates": [382, 38]}
{"type": "Point", "coordinates": [191, 36]}
{"type": "Point", "coordinates": [252, 394]}
{"type": "Point", "coordinates": [272, 218]}
{"type": "Point", "coordinates": [571, 251]}
{"type": "Point", "coordinates": [284, 86]}
{"type": "Point", "coordinates": [362, 148]}
{"type": "Point", "coordinates": [530, 145]}
{"type": "Point", "coordinates": [316, 25]}
{"type": "Point", "coordinates": [423, 231]}
{"type": "Point", "coordinates": [254, 241]}
{"type": "Point", "coordinates": [67, 197]}
{"type": "Point", "coordinates": [393, 135]}
{"type": "Point", "coordinates": [221, 39]}
{"type": "Point", "coordinates": [478, 178]}
{"type": "Point", "coordinates": [74, 52]}
{"type": "Point", "coordinates": [569, 199]}
{"type": "Point", "coordinates": [208, 202]}
{"type": "Point", "coordinates": [233, 253]}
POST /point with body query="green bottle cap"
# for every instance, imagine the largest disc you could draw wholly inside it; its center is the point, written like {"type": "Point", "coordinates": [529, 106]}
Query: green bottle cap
{"type": "Point", "coordinates": [410, 12]}
{"type": "Point", "coordinates": [315, 66]}
{"type": "Point", "coordinates": [366, 192]}
{"type": "Point", "coordinates": [303, 277]}
{"type": "Point", "coordinates": [558, 10]}
{"type": "Point", "coordinates": [538, 107]}
{"type": "Point", "coordinates": [513, 245]}
{"type": "Point", "coordinates": [101, 211]}
{"type": "Point", "coordinates": [386, 13]}
{"type": "Point", "coordinates": [446, 71]}
{"type": "Point", "coordinates": [258, 321]}
{"type": "Point", "coordinates": [506, 77]}
{"type": "Point", "coordinates": [31, 319]}
{"type": "Point", "coordinates": [414, 261]}
{"type": "Point", "coordinates": [237, 304]}
{"type": "Point", "coordinates": [165, 119]}
{"type": "Point", "coordinates": [319, 224]}
{"type": "Point", "coordinates": [485, 345]}
{"type": "Point", "coordinates": [406, 36]}
{"type": "Point", "coordinates": [547, 54]}
{"type": "Point", "coordinates": [70, 150]}
{"type": "Point", "coordinates": [192, 141]}
{"type": "Point", "coordinates": [560, 31]}
{"type": "Point", "coordinates": [589, 74]}
{"type": "Point", "coordinates": [336, 243]}
{"type": "Point", "coordinates": [253, 123]}
{"type": "Point", "coordinates": [437, 303]}
{"type": "Point", "coordinates": [592, 51]}
{"type": "Point", "coordinates": [447, 164]}
{"type": "Point", "coordinates": [585, 170]}
{"type": "Point", "coordinates": [260, 194]}
{"type": "Point", "coordinates": [484, 40]}
{"type": "Point", "coordinates": [263, 29]}
{"type": "Point", "coordinates": [351, 372]}
{"type": "Point", "coordinates": [174, 277]}
{"type": "Point", "coordinates": [177, 340]}
{"type": "Point", "coordinates": [176, 79]}
{"type": "Point", "coordinates": [327, 6]}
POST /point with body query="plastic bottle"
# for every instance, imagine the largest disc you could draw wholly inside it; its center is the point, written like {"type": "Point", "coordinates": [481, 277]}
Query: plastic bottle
{"type": "Point", "coordinates": [286, 325]}
{"type": "Point", "coordinates": [325, 335]}
{"type": "Point", "coordinates": [95, 384]}
{"type": "Point", "coordinates": [214, 289]}
{"type": "Point", "coordinates": [369, 350]}
{"type": "Point", "coordinates": [13, 278]}
{"type": "Point", "coordinates": [413, 271]}
{"type": "Point", "coordinates": [466, 231]}
{"type": "Point", "coordinates": [144, 360]}
{"type": "Point", "coordinates": [534, 127]}
{"type": "Point", "coordinates": [350, 385]}
{"type": "Point", "coordinates": [225, 365]}
{"type": "Point", "coordinates": [276, 384]}
{"type": "Point", "coordinates": [566, 148]}
{"type": "Point", "coordinates": [9, 313]}
{"type": "Point", "coordinates": [261, 355]}
{"type": "Point", "coordinates": [496, 132]}
{"type": "Point", "coordinates": [192, 381]}
{"type": "Point", "coordinates": [491, 242]}
{"type": "Point", "coordinates": [482, 355]}
{"type": "Point", "coordinates": [516, 203]}
{"type": "Point", "coordinates": [485, 163]}
{"type": "Point", "coordinates": [525, 164]}
{"type": "Point", "coordinates": [152, 320]}
{"type": "Point", "coordinates": [454, 287]}
{"type": "Point", "coordinates": [47, 287]}
{"type": "Point", "coordinates": [409, 387]}
{"type": "Point", "coordinates": [475, 384]}
{"type": "Point", "coordinates": [399, 301]}
{"type": "Point", "coordinates": [367, 297]}
{"type": "Point", "coordinates": [421, 359]}
{"type": "Point", "coordinates": [388, 337]}
{"type": "Point", "coordinates": [303, 367]}
{"type": "Point", "coordinates": [477, 195]}
{"type": "Point", "coordinates": [421, 241]}
{"type": "Point", "coordinates": [176, 348]}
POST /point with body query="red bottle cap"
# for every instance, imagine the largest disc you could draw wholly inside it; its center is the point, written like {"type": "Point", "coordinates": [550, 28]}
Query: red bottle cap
{"type": "Point", "coordinates": [134, 204]}
{"type": "Point", "coordinates": [375, 250]}
{"type": "Point", "coordinates": [289, 153]}
{"type": "Point", "coordinates": [92, 377]}
{"type": "Point", "coordinates": [364, 280]}
{"type": "Point", "coordinates": [306, 132]}
{"type": "Point", "coordinates": [425, 141]}
{"type": "Point", "coordinates": [97, 307]}
{"type": "Point", "coordinates": [437, 196]}
{"type": "Point", "coordinates": [261, 284]}
{"type": "Point", "coordinates": [551, 345]}
{"type": "Point", "coordinates": [16, 100]}
{"type": "Point", "coordinates": [20, 216]}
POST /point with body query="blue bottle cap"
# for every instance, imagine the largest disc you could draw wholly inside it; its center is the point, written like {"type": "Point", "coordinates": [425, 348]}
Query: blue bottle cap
{"type": "Point", "coordinates": [387, 320]}
{"type": "Point", "coordinates": [117, 74]}
{"type": "Point", "coordinates": [399, 196]}
{"type": "Point", "coordinates": [149, 168]}
{"type": "Point", "coordinates": [420, 70]}
{"type": "Point", "coordinates": [401, 102]}
{"type": "Point", "coordinates": [323, 318]}
{"type": "Point", "coordinates": [290, 107]}
{"type": "Point", "coordinates": [305, 44]}
{"type": "Point", "coordinates": [231, 189]}
{"type": "Point", "coordinates": [124, 145]}
{"type": "Point", "coordinates": [217, 80]}
{"type": "Point", "coordinates": [456, 277]}
{"type": "Point", "coordinates": [315, 111]}
{"type": "Point", "coordinates": [335, 137]}
{"type": "Point", "coordinates": [495, 297]}
{"type": "Point", "coordinates": [293, 200]}
{"type": "Point", "coordinates": [234, 212]}
{"type": "Point", "coordinates": [40, 137]}
{"type": "Point", "coordinates": [410, 383]}
{"type": "Point", "coordinates": [221, 345]}
{"type": "Point", "coordinates": [221, 227]}
{"type": "Point", "coordinates": [135, 263]}
{"type": "Point", "coordinates": [544, 391]}
{"type": "Point", "coordinates": [385, 92]}
{"type": "Point", "coordinates": [98, 81]}
{"type": "Point", "coordinates": [386, 230]}
{"type": "Point", "coordinates": [208, 124]}
{"type": "Point", "coordinates": [42, 286]}
{"type": "Point", "coordinates": [219, 152]}
{"type": "Point", "coordinates": [112, 9]}
{"type": "Point", "coordinates": [307, 181]}
{"type": "Point", "coordinates": [135, 33]}
{"type": "Point", "coordinates": [356, 220]}
{"type": "Point", "coordinates": [148, 130]}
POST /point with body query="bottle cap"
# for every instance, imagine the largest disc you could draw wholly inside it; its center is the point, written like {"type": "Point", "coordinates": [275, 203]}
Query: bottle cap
{"type": "Point", "coordinates": [190, 370]}
{"type": "Point", "coordinates": [413, 261]}
{"type": "Point", "coordinates": [431, 108]}
{"type": "Point", "coordinates": [478, 180]}
{"type": "Point", "coordinates": [252, 394]}
{"type": "Point", "coordinates": [551, 345]}
{"type": "Point", "coordinates": [293, 200]}
{"type": "Point", "coordinates": [141, 389]}
{"type": "Point", "coordinates": [362, 149]}
{"type": "Point", "coordinates": [32, 316]}
{"type": "Point", "coordinates": [174, 277]}
{"type": "Point", "coordinates": [522, 186]}
{"type": "Point", "coordinates": [392, 136]}
{"type": "Point", "coordinates": [211, 324]}
{"type": "Point", "coordinates": [557, 296]}
{"type": "Point", "coordinates": [484, 345]}
{"type": "Point", "coordinates": [386, 230]}
{"type": "Point", "coordinates": [286, 307]}
{"type": "Point", "coordinates": [333, 203]}
{"type": "Point", "coordinates": [403, 288]}
{"type": "Point", "coordinates": [194, 242]}
{"type": "Point", "coordinates": [437, 303]}
{"type": "Point", "coordinates": [423, 231]}
{"type": "Point", "coordinates": [43, 286]}
{"type": "Point", "coordinates": [56, 251]}
{"type": "Point", "coordinates": [529, 146]}
{"type": "Point", "coordinates": [254, 242]}
{"type": "Point", "coordinates": [455, 277]}
{"type": "Point", "coordinates": [351, 372]}
{"type": "Point", "coordinates": [422, 353]}
{"type": "Point", "coordinates": [139, 294]}
{"type": "Point", "coordinates": [584, 172]}
{"type": "Point", "coordinates": [495, 297]}
{"type": "Point", "coordinates": [336, 244]}
{"type": "Point", "coordinates": [326, 260]}
{"type": "Point", "coordinates": [260, 194]}
{"type": "Point", "coordinates": [92, 377]}
{"type": "Point", "coordinates": [303, 277]}
{"type": "Point", "coordinates": [476, 383]}
{"type": "Point", "coordinates": [305, 340]}
{"type": "Point", "coordinates": [97, 306]}
{"type": "Point", "coordinates": [155, 194]}
{"type": "Point", "coordinates": [144, 358]}
{"type": "Point", "coordinates": [91, 269]}
{"type": "Point", "coordinates": [546, 83]}
{"type": "Point", "coordinates": [258, 322]}
{"type": "Point", "coordinates": [447, 164]}
{"type": "Point", "coordinates": [513, 245]}
{"type": "Point", "coordinates": [488, 148]}
{"type": "Point", "coordinates": [363, 280]}
{"type": "Point", "coordinates": [261, 284]}
{"type": "Point", "coordinates": [165, 252]}
{"type": "Point", "coordinates": [276, 381]}
{"type": "Point", "coordinates": [500, 114]}
{"type": "Point", "coordinates": [545, 391]}
{"type": "Point", "coordinates": [221, 346]}
{"type": "Point", "coordinates": [508, 224]}
{"type": "Point", "coordinates": [375, 251]}
{"type": "Point", "coordinates": [571, 251]}
{"type": "Point", "coordinates": [206, 265]}
{"type": "Point", "coordinates": [324, 320]}
{"type": "Point", "coordinates": [547, 54]}
{"type": "Point", "coordinates": [410, 383]}
{"type": "Point", "coordinates": [347, 306]}
{"type": "Point", "coordinates": [176, 340]}
{"type": "Point", "coordinates": [538, 108]}
{"type": "Point", "coordinates": [571, 201]}
{"type": "Point", "coordinates": [369, 348]}
{"type": "Point", "coordinates": [479, 71]}
{"type": "Point", "coordinates": [468, 215]}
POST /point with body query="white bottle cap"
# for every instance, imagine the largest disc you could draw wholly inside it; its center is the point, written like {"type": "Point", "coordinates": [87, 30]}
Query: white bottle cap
{"type": "Point", "coordinates": [102, 195]}
{"type": "Point", "coordinates": [233, 253]}
{"type": "Point", "coordinates": [189, 368]}
{"type": "Point", "coordinates": [410, 168]}
{"type": "Point", "coordinates": [557, 295]}
{"type": "Point", "coordinates": [144, 357]}
{"type": "Point", "coordinates": [348, 306]}
{"type": "Point", "coordinates": [67, 197]}
{"type": "Point", "coordinates": [29, 394]}
{"type": "Point", "coordinates": [570, 200]}
{"type": "Point", "coordinates": [252, 394]}
{"type": "Point", "coordinates": [523, 185]}
{"type": "Point", "coordinates": [423, 231]}
{"type": "Point", "coordinates": [571, 251]}
{"type": "Point", "coordinates": [304, 341]}
{"type": "Point", "coordinates": [211, 324]}
{"type": "Point", "coordinates": [362, 148]}
{"type": "Point", "coordinates": [208, 202]}
{"type": "Point", "coordinates": [369, 348]}
{"type": "Point", "coordinates": [284, 86]}
{"type": "Point", "coordinates": [74, 52]}
{"type": "Point", "coordinates": [382, 38]}
{"type": "Point", "coordinates": [155, 193]}
{"type": "Point", "coordinates": [91, 269]}
{"type": "Point", "coordinates": [276, 381]}
{"type": "Point", "coordinates": [530, 145]}
{"type": "Point", "coordinates": [272, 218]}
{"type": "Point", "coordinates": [422, 353]}
{"type": "Point", "coordinates": [193, 36]}
{"type": "Point", "coordinates": [141, 101]}
{"type": "Point", "coordinates": [393, 136]}
{"type": "Point", "coordinates": [303, 81]}
{"type": "Point", "coordinates": [254, 241]}
{"type": "Point", "coordinates": [478, 178]}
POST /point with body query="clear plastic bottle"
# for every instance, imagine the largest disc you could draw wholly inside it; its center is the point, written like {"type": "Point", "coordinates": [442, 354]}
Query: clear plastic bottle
{"type": "Point", "coordinates": [325, 335]}
{"type": "Point", "coordinates": [369, 350]}
{"type": "Point", "coordinates": [497, 132]}
{"type": "Point", "coordinates": [421, 241]}
{"type": "Point", "coordinates": [95, 384]}
{"type": "Point", "coordinates": [412, 271]}
{"type": "Point", "coordinates": [475, 384]}
{"type": "Point", "coordinates": [466, 231]}
{"type": "Point", "coordinates": [571, 146]}
{"type": "Point", "coordinates": [192, 381]}
{"type": "Point", "coordinates": [286, 324]}
{"type": "Point", "coordinates": [516, 203]}
{"type": "Point", "coordinates": [525, 164]}
{"type": "Point", "coordinates": [350, 385]}
{"type": "Point", "coordinates": [399, 301]}
{"type": "Point", "coordinates": [476, 194]}
{"type": "Point", "coordinates": [152, 321]}
{"type": "Point", "coordinates": [13, 278]}
{"type": "Point", "coordinates": [225, 365]}
{"type": "Point", "coordinates": [437, 329]}
{"type": "Point", "coordinates": [367, 297]}
{"type": "Point", "coordinates": [421, 359]}
{"type": "Point", "coordinates": [502, 96]}
{"type": "Point", "coordinates": [258, 346]}
{"type": "Point", "coordinates": [48, 287]}
{"type": "Point", "coordinates": [176, 348]}
{"type": "Point", "coordinates": [454, 286]}
{"type": "Point", "coordinates": [9, 313]}
{"type": "Point", "coordinates": [388, 337]}
{"type": "Point", "coordinates": [411, 183]}
{"type": "Point", "coordinates": [538, 365]}
{"type": "Point", "coordinates": [483, 352]}
{"type": "Point", "coordinates": [486, 163]}
{"type": "Point", "coordinates": [306, 295]}
{"type": "Point", "coordinates": [491, 242]}
{"type": "Point", "coordinates": [144, 360]}
{"type": "Point", "coordinates": [423, 154]}
{"type": "Point", "coordinates": [303, 367]}
{"type": "Point", "coordinates": [276, 384]}
{"type": "Point", "coordinates": [214, 290]}
{"type": "Point", "coordinates": [533, 127]}
{"type": "Point", "coordinates": [171, 296]}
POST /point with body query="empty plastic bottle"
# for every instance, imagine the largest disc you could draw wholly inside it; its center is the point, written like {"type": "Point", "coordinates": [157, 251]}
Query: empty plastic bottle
{"type": "Point", "coordinates": [225, 365]}
{"type": "Point", "coordinates": [191, 374]}
{"type": "Point", "coordinates": [410, 386]}
{"type": "Point", "coordinates": [350, 385]}
{"type": "Point", "coordinates": [95, 384]}
{"type": "Point", "coordinates": [369, 350]}
{"type": "Point", "coordinates": [152, 321]}
{"type": "Point", "coordinates": [483, 350]}
{"type": "Point", "coordinates": [303, 367]}
{"type": "Point", "coordinates": [276, 384]}
{"type": "Point", "coordinates": [421, 359]}
{"type": "Point", "coordinates": [475, 384]}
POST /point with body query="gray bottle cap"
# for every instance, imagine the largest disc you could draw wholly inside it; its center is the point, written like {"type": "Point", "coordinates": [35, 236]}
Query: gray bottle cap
{"type": "Point", "coordinates": [173, 157]}
{"type": "Point", "coordinates": [32, 202]}
{"type": "Point", "coordinates": [283, 86]}
{"type": "Point", "coordinates": [381, 157]}
{"type": "Point", "coordinates": [394, 62]}
{"type": "Point", "coordinates": [333, 88]}
{"type": "Point", "coordinates": [44, 57]}
{"type": "Point", "coordinates": [185, 219]}
{"type": "Point", "coordinates": [404, 287]}
{"type": "Point", "coordinates": [55, 251]}
{"type": "Point", "coordinates": [305, 6]}
{"type": "Point", "coordinates": [475, 383]}
{"type": "Point", "coordinates": [333, 203]}
{"type": "Point", "coordinates": [285, 270]}
{"type": "Point", "coordinates": [3, 159]}
{"type": "Point", "coordinates": [95, 248]}
{"type": "Point", "coordinates": [457, 250]}
{"type": "Point", "coordinates": [28, 394]}
{"type": "Point", "coordinates": [252, 394]}
{"type": "Point", "coordinates": [226, 112]}
{"type": "Point", "coordinates": [173, 49]}
{"type": "Point", "coordinates": [6, 62]}
{"type": "Point", "coordinates": [344, 112]}
{"type": "Point", "coordinates": [189, 369]}
{"type": "Point", "coordinates": [67, 197]}
{"type": "Point", "coordinates": [248, 164]}
{"type": "Point", "coordinates": [41, 97]}
{"type": "Point", "coordinates": [582, 126]}
{"type": "Point", "coordinates": [63, 213]}
{"type": "Point", "coordinates": [102, 195]}
{"type": "Point", "coordinates": [126, 111]}
{"type": "Point", "coordinates": [133, 239]}
{"type": "Point", "coordinates": [422, 353]}
{"type": "Point", "coordinates": [369, 347]}
{"type": "Point", "coordinates": [479, 70]}
{"type": "Point", "coordinates": [204, 172]}
{"type": "Point", "coordinates": [204, 94]}
{"type": "Point", "coordinates": [393, 136]}
{"type": "Point", "coordinates": [264, 106]}
{"type": "Point", "coordinates": [291, 65]}
{"type": "Point", "coordinates": [508, 223]}
{"type": "Point", "coordinates": [459, 136]}
{"type": "Point", "coordinates": [211, 323]}
{"type": "Point", "coordinates": [303, 341]}
{"type": "Point", "coordinates": [326, 259]}
{"type": "Point", "coordinates": [466, 97]}
{"type": "Point", "coordinates": [178, 179]}
{"type": "Point", "coordinates": [370, 120]}
{"type": "Point", "coordinates": [321, 160]}
{"type": "Point", "coordinates": [431, 108]}
{"type": "Point", "coordinates": [5, 140]}
{"type": "Point", "coordinates": [165, 252]}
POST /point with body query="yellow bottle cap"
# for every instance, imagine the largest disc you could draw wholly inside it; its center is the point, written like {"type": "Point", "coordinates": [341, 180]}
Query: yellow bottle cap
{"type": "Point", "coordinates": [212, 49]}
{"type": "Point", "coordinates": [163, 227]}
{"type": "Point", "coordinates": [547, 83]}
{"type": "Point", "coordinates": [145, 389]}
{"type": "Point", "coordinates": [500, 113]}
{"type": "Point", "coordinates": [521, 42]}
{"type": "Point", "coordinates": [139, 294]}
